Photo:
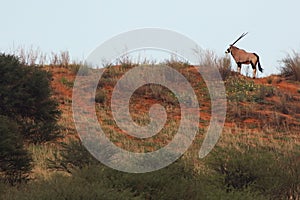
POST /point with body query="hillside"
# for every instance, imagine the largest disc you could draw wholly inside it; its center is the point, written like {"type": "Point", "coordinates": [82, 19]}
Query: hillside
{"type": "Point", "coordinates": [256, 157]}
{"type": "Point", "coordinates": [265, 104]}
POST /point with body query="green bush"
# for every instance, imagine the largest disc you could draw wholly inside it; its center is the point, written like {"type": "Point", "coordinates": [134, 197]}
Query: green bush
{"type": "Point", "coordinates": [241, 89]}
{"type": "Point", "coordinates": [177, 181]}
{"type": "Point", "coordinates": [15, 161]}
{"type": "Point", "coordinates": [61, 187]}
{"type": "Point", "coordinates": [26, 98]}
{"type": "Point", "coordinates": [73, 155]}
{"type": "Point", "coordinates": [259, 170]}
{"type": "Point", "coordinates": [66, 82]}
{"type": "Point", "coordinates": [173, 182]}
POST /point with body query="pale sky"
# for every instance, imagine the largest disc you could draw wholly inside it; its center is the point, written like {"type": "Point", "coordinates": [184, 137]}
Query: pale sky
{"type": "Point", "coordinates": [81, 26]}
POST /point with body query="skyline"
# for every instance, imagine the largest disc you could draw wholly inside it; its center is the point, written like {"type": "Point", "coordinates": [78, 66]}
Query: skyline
{"type": "Point", "coordinates": [80, 27]}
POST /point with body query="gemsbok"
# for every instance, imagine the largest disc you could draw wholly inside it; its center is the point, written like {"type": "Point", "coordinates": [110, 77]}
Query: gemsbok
{"type": "Point", "coordinates": [242, 57]}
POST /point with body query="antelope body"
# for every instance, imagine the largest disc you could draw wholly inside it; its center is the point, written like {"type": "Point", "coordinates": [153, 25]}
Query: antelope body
{"type": "Point", "coordinates": [242, 57]}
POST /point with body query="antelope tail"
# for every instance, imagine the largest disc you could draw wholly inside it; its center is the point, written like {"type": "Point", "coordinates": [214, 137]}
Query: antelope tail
{"type": "Point", "coordinates": [258, 63]}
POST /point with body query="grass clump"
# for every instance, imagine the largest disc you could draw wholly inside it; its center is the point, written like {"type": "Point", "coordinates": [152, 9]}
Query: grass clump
{"type": "Point", "coordinates": [100, 96]}
{"type": "Point", "coordinates": [66, 82]}
{"type": "Point", "coordinates": [291, 66]}
{"type": "Point", "coordinates": [209, 60]}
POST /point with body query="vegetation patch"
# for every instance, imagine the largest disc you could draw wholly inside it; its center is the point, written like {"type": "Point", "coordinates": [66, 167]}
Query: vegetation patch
{"type": "Point", "coordinates": [291, 66]}
{"type": "Point", "coordinates": [257, 156]}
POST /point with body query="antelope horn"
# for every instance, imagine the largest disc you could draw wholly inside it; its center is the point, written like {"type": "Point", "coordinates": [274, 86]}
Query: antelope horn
{"type": "Point", "coordinates": [243, 35]}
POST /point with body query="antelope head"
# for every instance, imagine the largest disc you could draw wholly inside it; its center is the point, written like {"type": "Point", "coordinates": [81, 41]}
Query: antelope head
{"type": "Point", "coordinates": [230, 46]}
{"type": "Point", "coordinates": [229, 49]}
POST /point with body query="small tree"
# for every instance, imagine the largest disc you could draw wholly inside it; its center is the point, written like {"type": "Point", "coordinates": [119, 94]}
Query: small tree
{"type": "Point", "coordinates": [25, 96]}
